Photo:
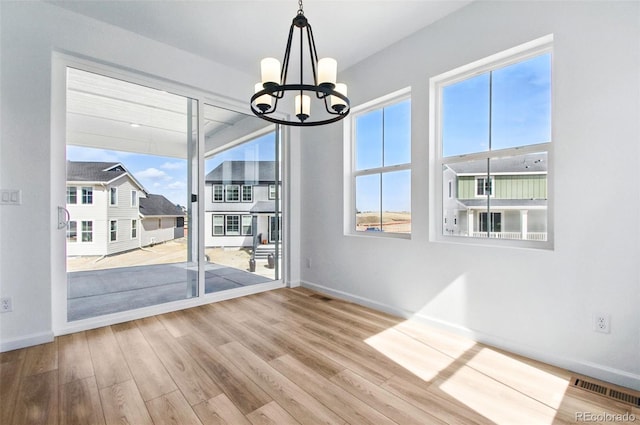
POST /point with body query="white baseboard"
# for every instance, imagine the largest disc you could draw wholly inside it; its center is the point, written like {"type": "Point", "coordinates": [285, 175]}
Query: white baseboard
{"type": "Point", "coordinates": [26, 341]}
{"type": "Point", "coordinates": [584, 367]}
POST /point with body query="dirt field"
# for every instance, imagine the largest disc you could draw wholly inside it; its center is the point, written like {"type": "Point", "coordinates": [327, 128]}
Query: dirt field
{"type": "Point", "coordinates": [165, 253]}
{"type": "Point", "coordinates": [396, 222]}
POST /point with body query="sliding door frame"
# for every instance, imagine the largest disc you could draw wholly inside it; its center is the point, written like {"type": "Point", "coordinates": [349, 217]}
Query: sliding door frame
{"type": "Point", "coordinates": [60, 324]}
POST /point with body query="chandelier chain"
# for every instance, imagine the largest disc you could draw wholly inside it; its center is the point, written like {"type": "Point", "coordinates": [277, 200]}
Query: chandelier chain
{"type": "Point", "coordinates": [300, 11]}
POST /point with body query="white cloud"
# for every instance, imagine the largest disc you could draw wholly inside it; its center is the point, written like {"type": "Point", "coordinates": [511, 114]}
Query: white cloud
{"type": "Point", "coordinates": [172, 165]}
{"type": "Point", "coordinates": [153, 173]}
{"type": "Point", "coordinates": [177, 185]}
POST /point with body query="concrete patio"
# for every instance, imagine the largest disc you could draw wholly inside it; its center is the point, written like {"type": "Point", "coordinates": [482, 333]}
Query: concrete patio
{"type": "Point", "coordinates": [98, 292]}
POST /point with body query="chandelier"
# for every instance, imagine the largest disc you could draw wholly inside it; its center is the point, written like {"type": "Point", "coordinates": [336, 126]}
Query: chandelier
{"type": "Point", "coordinates": [330, 97]}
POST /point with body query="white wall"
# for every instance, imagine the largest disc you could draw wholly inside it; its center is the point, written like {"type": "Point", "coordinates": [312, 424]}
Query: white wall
{"type": "Point", "coordinates": [29, 33]}
{"type": "Point", "coordinates": [537, 302]}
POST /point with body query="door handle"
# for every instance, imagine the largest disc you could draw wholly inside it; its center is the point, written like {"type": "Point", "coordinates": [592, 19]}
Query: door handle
{"type": "Point", "coordinates": [63, 217]}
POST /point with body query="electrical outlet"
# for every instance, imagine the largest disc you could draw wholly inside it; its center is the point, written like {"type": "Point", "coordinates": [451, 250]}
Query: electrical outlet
{"type": "Point", "coordinates": [6, 305]}
{"type": "Point", "coordinates": [602, 323]}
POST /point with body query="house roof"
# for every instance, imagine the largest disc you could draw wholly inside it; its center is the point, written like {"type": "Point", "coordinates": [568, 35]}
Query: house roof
{"type": "Point", "coordinates": [158, 205]}
{"type": "Point", "coordinates": [94, 171]}
{"type": "Point", "coordinates": [101, 172]}
{"type": "Point", "coordinates": [534, 163]}
{"type": "Point", "coordinates": [263, 207]}
{"type": "Point", "coordinates": [248, 172]}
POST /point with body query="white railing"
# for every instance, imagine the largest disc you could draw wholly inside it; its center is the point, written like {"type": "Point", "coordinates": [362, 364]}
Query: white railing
{"type": "Point", "coordinates": [531, 236]}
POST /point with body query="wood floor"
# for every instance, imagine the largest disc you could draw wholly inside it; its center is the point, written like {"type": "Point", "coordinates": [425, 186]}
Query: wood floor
{"type": "Point", "coordinates": [288, 356]}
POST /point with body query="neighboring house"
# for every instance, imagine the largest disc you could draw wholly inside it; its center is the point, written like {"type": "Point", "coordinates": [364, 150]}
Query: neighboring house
{"type": "Point", "coordinates": [104, 201]}
{"type": "Point", "coordinates": [240, 201]}
{"type": "Point", "coordinates": [510, 203]}
{"type": "Point", "coordinates": [161, 220]}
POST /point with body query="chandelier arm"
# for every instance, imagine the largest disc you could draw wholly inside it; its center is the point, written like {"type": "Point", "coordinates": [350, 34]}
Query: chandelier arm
{"type": "Point", "coordinates": [312, 53]}
{"type": "Point", "coordinates": [287, 56]}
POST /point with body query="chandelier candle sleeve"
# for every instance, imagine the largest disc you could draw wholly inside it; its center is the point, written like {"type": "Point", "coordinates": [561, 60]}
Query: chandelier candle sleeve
{"type": "Point", "coordinates": [270, 69]}
{"type": "Point", "coordinates": [336, 102]}
{"type": "Point", "coordinates": [327, 71]}
{"type": "Point", "coordinates": [304, 107]}
{"type": "Point", "coordinates": [263, 102]}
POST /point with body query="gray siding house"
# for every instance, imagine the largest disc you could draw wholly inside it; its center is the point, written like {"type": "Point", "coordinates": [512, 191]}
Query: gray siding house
{"type": "Point", "coordinates": [241, 195]}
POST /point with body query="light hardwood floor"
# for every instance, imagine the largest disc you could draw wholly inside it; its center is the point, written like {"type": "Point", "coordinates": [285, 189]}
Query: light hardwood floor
{"type": "Point", "coordinates": [288, 356]}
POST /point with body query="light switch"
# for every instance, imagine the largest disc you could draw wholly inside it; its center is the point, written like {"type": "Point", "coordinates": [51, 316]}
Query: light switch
{"type": "Point", "coordinates": [10, 197]}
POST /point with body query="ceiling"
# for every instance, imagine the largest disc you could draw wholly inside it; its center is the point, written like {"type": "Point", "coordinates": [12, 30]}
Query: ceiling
{"type": "Point", "coordinates": [107, 113]}
{"type": "Point", "coordinates": [239, 33]}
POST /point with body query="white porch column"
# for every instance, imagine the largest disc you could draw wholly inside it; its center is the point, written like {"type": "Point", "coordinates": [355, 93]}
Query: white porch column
{"type": "Point", "coordinates": [524, 223]}
{"type": "Point", "coordinates": [470, 222]}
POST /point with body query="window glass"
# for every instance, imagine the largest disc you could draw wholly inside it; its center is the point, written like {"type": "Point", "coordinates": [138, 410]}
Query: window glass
{"type": "Point", "coordinates": [72, 195]}
{"type": "Point", "coordinates": [247, 225]}
{"type": "Point", "coordinates": [465, 116]}
{"type": "Point", "coordinates": [113, 230]}
{"type": "Point", "coordinates": [87, 231]}
{"type": "Point", "coordinates": [233, 193]}
{"type": "Point", "coordinates": [113, 196]}
{"type": "Point", "coordinates": [369, 146]}
{"type": "Point", "coordinates": [506, 112]}
{"type": "Point", "coordinates": [72, 231]}
{"type": "Point", "coordinates": [87, 195]}
{"type": "Point", "coordinates": [233, 224]}
{"type": "Point", "coordinates": [218, 225]}
{"type": "Point", "coordinates": [368, 203]}
{"type": "Point", "coordinates": [382, 174]}
{"type": "Point", "coordinates": [218, 191]}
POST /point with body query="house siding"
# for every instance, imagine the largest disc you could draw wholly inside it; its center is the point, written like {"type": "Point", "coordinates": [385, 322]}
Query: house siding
{"type": "Point", "coordinates": [95, 212]}
{"type": "Point", "coordinates": [154, 230]}
{"type": "Point", "coordinates": [507, 187]}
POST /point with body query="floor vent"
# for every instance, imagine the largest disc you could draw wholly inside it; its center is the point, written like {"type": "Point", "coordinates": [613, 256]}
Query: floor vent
{"type": "Point", "coordinates": [602, 389]}
{"type": "Point", "coordinates": [320, 297]}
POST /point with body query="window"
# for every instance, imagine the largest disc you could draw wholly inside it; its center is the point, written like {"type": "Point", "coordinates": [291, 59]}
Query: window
{"type": "Point", "coordinates": [233, 192]}
{"type": "Point", "coordinates": [247, 225]}
{"type": "Point", "coordinates": [72, 195]}
{"type": "Point", "coordinates": [484, 186]}
{"type": "Point", "coordinates": [492, 124]}
{"type": "Point", "coordinates": [72, 231]}
{"type": "Point", "coordinates": [272, 191]}
{"type": "Point", "coordinates": [380, 140]}
{"type": "Point", "coordinates": [218, 225]}
{"type": "Point", "coordinates": [113, 230]}
{"type": "Point", "coordinates": [134, 229]}
{"type": "Point", "coordinates": [87, 231]}
{"type": "Point", "coordinates": [134, 198]}
{"type": "Point", "coordinates": [218, 193]}
{"type": "Point", "coordinates": [87, 195]}
{"type": "Point", "coordinates": [113, 196]}
{"type": "Point", "coordinates": [233, 225]}
{"type": "Point", "coordinates": [247, 193]}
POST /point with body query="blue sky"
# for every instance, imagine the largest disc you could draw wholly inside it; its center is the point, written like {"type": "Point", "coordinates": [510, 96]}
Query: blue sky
{"type": "Point", "coordinates": [168, 176]}
{"type": "Point", "coordinates": [520, 103]}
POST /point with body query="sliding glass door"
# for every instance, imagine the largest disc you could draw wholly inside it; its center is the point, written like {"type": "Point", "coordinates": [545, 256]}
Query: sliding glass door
{"type": "Point", "coordinates": [131, 172]}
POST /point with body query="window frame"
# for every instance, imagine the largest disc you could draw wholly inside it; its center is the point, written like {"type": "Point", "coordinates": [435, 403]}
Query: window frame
{"type": "Point", "coordinates": [517, 54]}
{"type": "Point", "coordinates": [134, 198]}
{"type": "Point", "coordinates": [226, 193]}
{"type": "Point", "coordinates": [242, 225]}
{"type": "Point", "coordinates": [86, 198]}
{"type": "Point", "coordinates": [214, 225]}
{"type": "Point", "coordinates": [242, 193]}
{"type": "Point", "coordinates": [226, 225]}
{"type": "Point", "coordinates": [82, 231]}
{"type": "Point", "coordinates": [74, 231]}
{"type": "Point", "coordinates": [134, 228]}
{"type": "Point", "coordinates": [213, 193]}
{"type": "Point", "coordinates": [352, 173]}
{"type": "Point", "coordinates": [113, 196]}
{"type": "Point", "coordinates": [75, 195]}
{"type": "Point", "coordinates": [113, 231]}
